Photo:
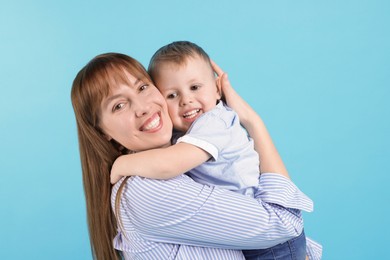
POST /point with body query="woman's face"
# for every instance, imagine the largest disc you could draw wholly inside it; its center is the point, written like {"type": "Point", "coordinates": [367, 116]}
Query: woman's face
{"type": "Point", "coordinates": [136, 116]}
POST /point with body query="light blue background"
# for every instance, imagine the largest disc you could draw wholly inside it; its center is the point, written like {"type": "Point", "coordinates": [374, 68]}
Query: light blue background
{"type": "Point", "coordinates": [318, 72]}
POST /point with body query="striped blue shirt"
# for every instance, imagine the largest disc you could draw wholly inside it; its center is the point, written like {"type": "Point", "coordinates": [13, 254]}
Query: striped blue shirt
{"type": "Point", "coordinates": [182, 219]}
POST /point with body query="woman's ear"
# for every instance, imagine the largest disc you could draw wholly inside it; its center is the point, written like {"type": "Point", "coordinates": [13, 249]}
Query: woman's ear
{"type": "Point", "coordinates": [106, 136]}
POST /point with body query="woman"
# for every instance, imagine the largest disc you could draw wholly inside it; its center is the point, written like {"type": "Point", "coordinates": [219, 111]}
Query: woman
{"type": "Point", "coordinates": [118, 110]}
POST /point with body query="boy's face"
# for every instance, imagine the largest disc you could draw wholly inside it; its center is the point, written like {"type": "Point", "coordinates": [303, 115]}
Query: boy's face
{"type": "Point", "coordinates": [189, 89]}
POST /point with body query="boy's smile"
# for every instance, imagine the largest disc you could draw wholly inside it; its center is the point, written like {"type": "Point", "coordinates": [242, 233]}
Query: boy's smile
{"type": "Point", "coordinates": [191, 115]}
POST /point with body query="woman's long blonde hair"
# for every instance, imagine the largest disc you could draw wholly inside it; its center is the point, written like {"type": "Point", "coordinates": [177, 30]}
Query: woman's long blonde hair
{"type": "Point", "coordinates": [91, 85]}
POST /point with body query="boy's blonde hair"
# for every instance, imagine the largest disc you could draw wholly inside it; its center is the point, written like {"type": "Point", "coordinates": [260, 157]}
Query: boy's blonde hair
{"type": "Point", "coordinates": [176, 53]}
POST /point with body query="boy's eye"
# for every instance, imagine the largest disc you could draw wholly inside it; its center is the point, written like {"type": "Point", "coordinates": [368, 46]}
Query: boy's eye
{"type": "Point", "coordinates": [195, 87]}
{"type": "Point", "coordinates": [172, 95]}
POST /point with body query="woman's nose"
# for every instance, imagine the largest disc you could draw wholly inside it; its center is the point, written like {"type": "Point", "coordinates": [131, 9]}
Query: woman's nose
{"type": "Point", "coordinates": [141, 113]}
{"type": "Point", "coordinates": [141, 109]}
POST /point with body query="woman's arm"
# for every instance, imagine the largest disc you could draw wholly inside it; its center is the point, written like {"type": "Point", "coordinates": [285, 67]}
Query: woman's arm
{"type": "Point", "coordinates": [162, 163]}
{"type": "Point", "coordinates": [181, 211]}
{"type": "Point", "coordinates": [270, 160]}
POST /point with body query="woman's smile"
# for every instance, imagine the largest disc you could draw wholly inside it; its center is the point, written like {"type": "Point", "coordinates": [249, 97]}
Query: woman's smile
{"type": "Point", "coordinates": [153, 124]}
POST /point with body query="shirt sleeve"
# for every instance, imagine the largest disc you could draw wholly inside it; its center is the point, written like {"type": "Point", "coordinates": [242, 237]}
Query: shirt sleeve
{"type": "Point", "coordinates": [313, 249]}
{"type": "Point", "coordinates": [277, 189]}
{"type": "Point", "coordinates": [181, 211]}
{"type": "Point", "coordinates": [210, 133]}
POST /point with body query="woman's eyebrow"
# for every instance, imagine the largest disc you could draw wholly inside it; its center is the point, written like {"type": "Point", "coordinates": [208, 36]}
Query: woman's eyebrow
{"type": "Point", "coordinates": [136, 82]}
{"type": "Point", "coordinates": [110, 99]}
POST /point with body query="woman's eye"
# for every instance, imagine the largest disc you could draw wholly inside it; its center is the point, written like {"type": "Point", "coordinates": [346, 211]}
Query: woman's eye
{"type": "Point", "coordinates": [143, 87]}
{"type": "Point", "coordinates": [118, 107]}
{"type": "Point", "coordinates": [171, 96]}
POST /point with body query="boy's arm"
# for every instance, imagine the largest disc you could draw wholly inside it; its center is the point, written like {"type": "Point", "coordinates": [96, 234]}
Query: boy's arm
{"type": "Point", "coordinates": [162, 163]}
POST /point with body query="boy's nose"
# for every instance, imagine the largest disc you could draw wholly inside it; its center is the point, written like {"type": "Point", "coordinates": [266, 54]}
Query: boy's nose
{"type": "Point", "coordinates": [185, 100]}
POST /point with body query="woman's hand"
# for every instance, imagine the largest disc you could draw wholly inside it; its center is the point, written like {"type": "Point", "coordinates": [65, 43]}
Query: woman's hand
{"type": "Point", "coordinates": [270, 160]}
{"type": "Point", "coordinates": [233, 100]}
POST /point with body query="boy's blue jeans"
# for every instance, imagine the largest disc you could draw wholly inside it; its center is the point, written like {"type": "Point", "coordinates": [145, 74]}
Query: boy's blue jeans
{"type": "Point", "coordinates": [294, 249]}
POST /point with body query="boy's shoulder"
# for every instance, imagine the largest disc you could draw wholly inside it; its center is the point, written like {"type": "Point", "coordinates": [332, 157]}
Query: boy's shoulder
{"type": "Point", "coordinates": [221, 116]}
{"type": "Point", "coordinates": [224, 113]}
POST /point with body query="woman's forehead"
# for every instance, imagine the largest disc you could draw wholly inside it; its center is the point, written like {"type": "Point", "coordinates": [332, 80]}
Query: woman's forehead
{"type": "Point", "coordinates": [130, 79]}
{"type": "Point", "coordinates": [124, 78]}
{"type": "Point", "coordinates": [123, 81]}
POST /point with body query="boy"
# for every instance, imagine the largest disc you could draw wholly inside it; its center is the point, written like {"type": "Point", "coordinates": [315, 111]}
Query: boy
{"type": "Point", "coordinates": [214, 148]}
{"type": "Point", "coordinates": [183, 74]}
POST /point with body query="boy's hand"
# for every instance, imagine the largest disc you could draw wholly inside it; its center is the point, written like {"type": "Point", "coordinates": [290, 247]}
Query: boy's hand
{"type": "Point", "coordinates": [115, 172]}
